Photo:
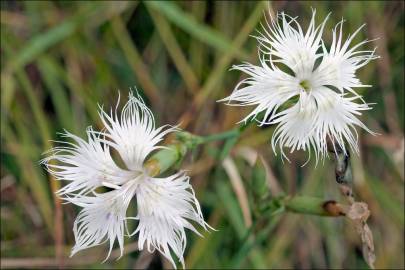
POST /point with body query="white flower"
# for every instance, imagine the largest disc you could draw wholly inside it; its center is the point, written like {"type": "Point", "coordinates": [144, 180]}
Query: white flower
{"type": "Point", "coordinates": [304, 88]}
{"type": "Point", "coordinates": [165, 206]}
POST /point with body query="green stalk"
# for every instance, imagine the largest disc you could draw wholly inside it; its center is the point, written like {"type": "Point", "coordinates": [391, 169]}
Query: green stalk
{"type": "Point", "coordinates": [220, 136]}
{"type": "Point", "coordinates": [313, 206]}
{"type": "Point", "coordinates": [297, 204]}
{"type": "Point", "coordinates": [184, 141]}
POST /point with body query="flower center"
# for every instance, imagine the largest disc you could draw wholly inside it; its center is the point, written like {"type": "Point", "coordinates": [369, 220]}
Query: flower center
{"type": "Point", "coordinates": [305, 85]}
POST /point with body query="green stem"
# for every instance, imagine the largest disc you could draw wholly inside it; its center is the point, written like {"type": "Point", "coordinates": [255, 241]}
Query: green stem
{"type": "Point", "coordinates": [173, 153]}
{"type": "Point", "coordinates": [253, 239]}
{"type": "Point", "coordinates": [303, 205]}
{"type": "Point", "coordinates": [220, 136]}
{"type": "Point", "coordinates": [297, 204]}
{"type": "Point", "coordinates": [313, 206]}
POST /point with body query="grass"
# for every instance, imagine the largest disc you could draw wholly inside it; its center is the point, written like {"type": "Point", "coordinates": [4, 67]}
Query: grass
{"type": "Point", "coordinates": [60, 59]}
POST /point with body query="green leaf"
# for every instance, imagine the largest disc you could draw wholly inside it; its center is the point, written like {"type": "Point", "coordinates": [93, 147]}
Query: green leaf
{"type": "Point", "coordinates": [60, 100]}
{"type": "Point", "coordinates": [199, 31]}
{"type": "Point", "coordinates": [232, 208]}
{"type": "Point", "coordinates": [41, 42]}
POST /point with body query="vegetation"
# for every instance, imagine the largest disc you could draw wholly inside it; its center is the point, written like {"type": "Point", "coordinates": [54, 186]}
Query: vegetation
{"type": "Point", "coordinates": [60, 59]}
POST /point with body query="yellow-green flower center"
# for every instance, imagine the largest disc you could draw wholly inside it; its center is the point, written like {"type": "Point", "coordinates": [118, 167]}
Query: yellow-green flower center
{"type": "Point", "coordinates": [305, 85]}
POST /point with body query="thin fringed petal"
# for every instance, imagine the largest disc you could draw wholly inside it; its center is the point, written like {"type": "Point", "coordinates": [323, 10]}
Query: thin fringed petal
{"type": "Point", "coordinates": [337, 119]}
{"type": "Point", "coordinates": [339, 64]}
{"type": "Point", "coordinates": [315, 120]}
{"type": "Point", "coordinates": [133, 133]}
{"type": "Point", "coordinates": [166, 206]}
{"type": "Point", "coordinates": [86, 165]}
{"type": "Point", "coordinates": [286, 43]}
{"type": "Point", "coordinates": [102, 218]}
{"type": "Point", "coordinates": [295, 125]}
{"type": "Point", "coordinates": [267, 88]}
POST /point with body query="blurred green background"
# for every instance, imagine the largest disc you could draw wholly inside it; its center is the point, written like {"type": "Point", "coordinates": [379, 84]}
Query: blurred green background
{"type": "Point", "coordinates": [60, 59]}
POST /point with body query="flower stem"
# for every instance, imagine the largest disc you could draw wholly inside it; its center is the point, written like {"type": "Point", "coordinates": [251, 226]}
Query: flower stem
{"type": "Point", "coordinates": [358, 211]}
{"type": "Point", "coordinates": [184, 141]}
{"type": "Point", "coordinates": [220, 136]}
{"type": "Point", "coordinates": [259, 232]}
{"type": "Point", "coordinates": [304, 205]}
{"type": "Point", "coordinates": [314, 206]}
{"type": "Point", "coordinates": [343, 171]}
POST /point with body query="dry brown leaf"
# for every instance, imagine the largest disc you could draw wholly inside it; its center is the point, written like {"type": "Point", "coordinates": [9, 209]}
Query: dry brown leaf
{"type": "Point", "coordinates": [359, 213]}
{"type": "Point", "coordinates": [237, 185]}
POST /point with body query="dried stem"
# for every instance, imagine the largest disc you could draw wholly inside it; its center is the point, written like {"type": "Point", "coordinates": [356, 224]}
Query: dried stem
{"type": "Point", "coordinates": [358, 211]}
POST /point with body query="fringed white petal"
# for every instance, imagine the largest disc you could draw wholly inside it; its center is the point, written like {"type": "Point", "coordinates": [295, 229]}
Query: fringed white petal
{"type": "Point", "coordinates": [295, 125]}
{"type": "Point", "coordinates": [290, 46]}
{"type": "Point", "coordinates": [103, 218]}
{"type": "Point", "coordinates": [166, 206]}
{"type": "Point", "coordinates": [84, 164]}
{"type": "Point", "coordinates": [268, 88]}
{"type": "Point", "coordinates": [324, 115]}
{"type": "Point", "coordinates": [336, 120]}
{"type": "Point", "coordinates": [133, 134]}
{"type": "Point", "coordinates": [339, 65]}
